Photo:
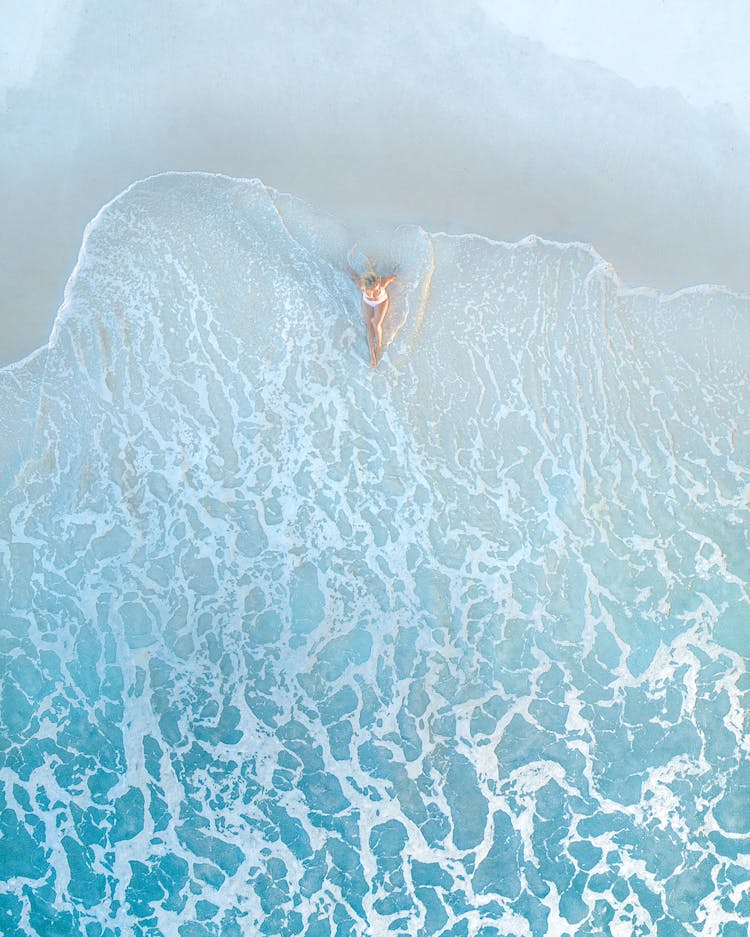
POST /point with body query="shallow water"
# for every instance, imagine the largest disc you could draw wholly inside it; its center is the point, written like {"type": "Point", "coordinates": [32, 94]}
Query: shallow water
{"type": "Point", "coordinates": [455, 646]}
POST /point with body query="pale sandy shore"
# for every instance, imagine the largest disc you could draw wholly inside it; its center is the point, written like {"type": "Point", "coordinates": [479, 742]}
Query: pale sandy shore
{"type": "Point", "coordinates": [433, 114]}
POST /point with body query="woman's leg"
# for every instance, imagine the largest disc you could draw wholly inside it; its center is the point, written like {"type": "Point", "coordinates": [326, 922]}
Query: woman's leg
{"type": "Point", "coordinates": [367, 313]}
{"type": "Point", "coordinates": [379, 317]}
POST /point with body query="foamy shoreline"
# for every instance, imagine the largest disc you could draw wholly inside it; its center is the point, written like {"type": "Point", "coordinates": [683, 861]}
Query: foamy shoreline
{"type": "Point", "coordinates": [376, 636]}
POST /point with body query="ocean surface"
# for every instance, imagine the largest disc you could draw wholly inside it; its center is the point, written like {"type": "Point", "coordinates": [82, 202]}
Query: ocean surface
{"type": "Point", "coordinates": [457, 646]}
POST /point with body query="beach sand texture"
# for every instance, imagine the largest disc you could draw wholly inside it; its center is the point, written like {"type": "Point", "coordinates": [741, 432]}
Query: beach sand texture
{"type": "Point", "coordinates": [430, 113]}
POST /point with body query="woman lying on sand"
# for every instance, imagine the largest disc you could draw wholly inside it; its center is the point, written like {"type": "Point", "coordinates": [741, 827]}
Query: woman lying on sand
{"type": "Point", "coordinates": [374, 308]}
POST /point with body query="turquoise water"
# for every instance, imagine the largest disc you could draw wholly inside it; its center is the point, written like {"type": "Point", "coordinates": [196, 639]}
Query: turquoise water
{"type": "Point", "coordinates": [291, 646]}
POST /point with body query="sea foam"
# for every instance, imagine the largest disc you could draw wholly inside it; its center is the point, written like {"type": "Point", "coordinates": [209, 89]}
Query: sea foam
{"type": "Point", "coordinates": [291, 645]}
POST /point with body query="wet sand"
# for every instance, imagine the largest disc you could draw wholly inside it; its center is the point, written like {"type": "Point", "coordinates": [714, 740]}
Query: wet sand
{"type": "Point", "coordinates": [435, 115]}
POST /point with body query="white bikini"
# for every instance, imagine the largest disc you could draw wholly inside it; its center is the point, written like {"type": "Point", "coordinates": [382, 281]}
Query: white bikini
{"type": "Point", "coordinates": [376, 302]}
